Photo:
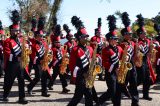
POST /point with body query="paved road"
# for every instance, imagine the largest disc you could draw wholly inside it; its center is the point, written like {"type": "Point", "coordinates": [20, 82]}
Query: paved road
{"type": "Point", "coordinates": [58, 99]}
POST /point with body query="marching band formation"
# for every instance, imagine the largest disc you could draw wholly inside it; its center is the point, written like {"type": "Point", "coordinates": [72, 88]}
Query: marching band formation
{"type": "Point", "coordinates": [124, 63]}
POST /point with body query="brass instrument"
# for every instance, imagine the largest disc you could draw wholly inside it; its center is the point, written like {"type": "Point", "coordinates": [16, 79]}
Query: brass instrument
{"type": "Point", "coordinates": [7, 35]}
{"type": "Point", "coordinates": [124, 67]}
{"type": "Point", "coordinates": [138, 59]}
{"type": "Point", "coordinates": [93, 70]}
{"type": "Point", "coordinates": [47, 56]}
{"type": "Point", "coordinates": [25, 53]}
{"type": "Point", "coordinates": [152, 52]}
{"type": "Point", "coordinates": [30, 34]}
{"type": "Point", "coordinates": [65, 61]}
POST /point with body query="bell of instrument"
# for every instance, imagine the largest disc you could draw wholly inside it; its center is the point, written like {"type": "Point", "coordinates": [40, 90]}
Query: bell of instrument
{"type": "Point", "coordinates": [30, 34]}
{"type": "Point", "coordinates": [139, 60]}
{"type": "Point", "coordinates": [97, 69]}
{"type": "Point", "coordinates": [129, 66]}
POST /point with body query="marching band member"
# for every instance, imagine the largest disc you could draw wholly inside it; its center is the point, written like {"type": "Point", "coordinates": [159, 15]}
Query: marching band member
{"type": "Point", "coordinates": [131, 74]}
{"type": "Point", "coordinates": [70, 43]}
{"type": "Point", "coordinates": [58, 54]}
{"type": "Point", "coordinates": [31, 40]}
{"type": "Point", "coordinates": [110, 61]}
{"type": "Point", "coordinates": [2, 34]}
{"type": "Point", "coordinates": [39, 51]}
{"type": "Point", "coordinates": [157, 62]}
{"type": "Point", "coordinates": [100, 40]}
{"type": "Point", "coordinates": [142, 66]}
{"type": "Point", "coordinates": [12, 54]}
{"type": "Point", "coordinates": [79, 65]}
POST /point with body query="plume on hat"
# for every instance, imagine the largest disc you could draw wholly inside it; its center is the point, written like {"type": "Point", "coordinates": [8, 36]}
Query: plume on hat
{"type": "Point", "coordinates": [125, 19]}
{"type": "Point", "coordinates": [76, 22]}
{"type": "Point", "coordinates": [112, 22]}
{"type": "Point", "coordinates": [99, 22]}
{"type": "Point", "coordinates": [34, 23]}
{"type": "Point", "coordinates": [57, 31]}
{"type": "Point", "coordinates": [15, 17]}
{"type": "Point", "coordinates": [41, 23]}
{"type": "Point", "coordinates": [1, 27]}
{"type": "Point", "coordinates": [66, 28]}
{"type": "Point", "coordinates": [140, 20]}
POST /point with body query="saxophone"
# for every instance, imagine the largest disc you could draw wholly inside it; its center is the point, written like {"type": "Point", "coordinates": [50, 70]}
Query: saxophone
{"type": "Point", "coordinates": [65, 61]}
{"type": "Point", "coordinates": [47, 57]}
{"type": "Point", "coordinates": [152, 52]}
{"type": "Point", "coordinates": [25, 54]}
{"type": "Point", "coordinates": [124, 67]}
{"type": "Point", "coordinates": [93, 70]}
{"type": "Point", "coordinates": [138, 59]}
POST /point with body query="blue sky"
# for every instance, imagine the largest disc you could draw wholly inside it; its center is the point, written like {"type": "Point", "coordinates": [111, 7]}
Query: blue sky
{"type": "Point", "coordinates": [90, 10]}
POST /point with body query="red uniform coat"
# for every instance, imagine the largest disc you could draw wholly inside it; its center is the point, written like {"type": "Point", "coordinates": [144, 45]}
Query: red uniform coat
{"type": "Point", "coordinates": [1, 48]}
{"type": "Point", "coordinates": [144, 46]}
{"type": "Point", "coordinates": [99, 40]}
{"type": "Point", "coordinates": [38, 50]}
{"type": "Point", "coordinates": [110, 57]}
{"type": "Point", "coordinates": [12, 49]}
{"type": "Point", "coordinates": [57, 55]}
{"type": "Point", "coordinates": [130, 49]}
{"type": "Point", "coordinates": [79, 61]}
{"type": "Point", "coordinates": [70, 46]}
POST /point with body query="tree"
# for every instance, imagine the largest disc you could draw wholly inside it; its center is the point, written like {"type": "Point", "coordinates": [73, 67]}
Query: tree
{"type": "Point", "coordinates": [156, 19]}
{"type": "Point", "coordinates": [149, 26]}
{"type": "Point", "coordinates": [53, 14]}
{"type": "Point", "coordinates": [36, 8]}
{"type": "Point", "coordinates": [118, 13]}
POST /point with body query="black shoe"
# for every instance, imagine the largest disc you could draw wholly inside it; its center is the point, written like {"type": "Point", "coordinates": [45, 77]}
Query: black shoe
{"type": "Point", "coordinates": [147, 98]}
{"type": "Point", "coordinates": [50, 87]}
{"type": "Point", "coordinates": [30, 92]}
{"type": "Point", "coordinates": [100, 79]}
{"type": "Point", "coordinates": [134, 104]}
{"type": "Point", "coordinates": [5, 99]}
{"type": "Point", "coordinates": [97, 104]}
{"type": "Point", "coordinates": [45, 95]}
{"type": "Point", "coordinates": [65, 90]}
{"type": "Point", "coordinates": [126, 92]}
{"type": "Point", "coordinates": [23, 101]}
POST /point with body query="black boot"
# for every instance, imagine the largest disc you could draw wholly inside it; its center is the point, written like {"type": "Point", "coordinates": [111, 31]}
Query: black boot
{"type": "Point", "coordinates": [23, 101]}
{"type": "Point", "coordinates": [125, 91]}
{"type": "Point", "coordinates": [65, 90]}
{"type": "Point", "coordinates": [29, 91]}
{"type": "Point", "coordinates": [45, 95]}
{"type": "Point", "coordinates": [147, 98]}
{"type": "Point", "coordinates": [50, 87]}
{"type": "Point", "coordinates": [135, 104]}
{"type": "Point", "coordinates": [5, 99]}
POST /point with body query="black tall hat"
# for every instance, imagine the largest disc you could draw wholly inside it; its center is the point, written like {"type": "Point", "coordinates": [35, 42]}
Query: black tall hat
{"type": "Point", "coordinates": [34, 24]}
{"type": "Point", "coordinates": [157, 28]}
{"type": "Point", "coordinates": [81, 31]}
{"type": "Point", "coordinates": [126, 22]}
{"type": "Point", "coordinates": [69, 35]}
{"type": "Point", "coordinates": [40, 27]}
{"type": "Point", "coordinates": [15, 18]}
{"type": "Point", "coordinates": [99, 24]}
{"type": "Point", "coordinates": [57, 33]}
{"type": "Point", "coordinates": [112, 34]}
{"type": "Point", "coordinates": [1, 28]}
{"type": "Point", "coordinates": [140, 22]}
